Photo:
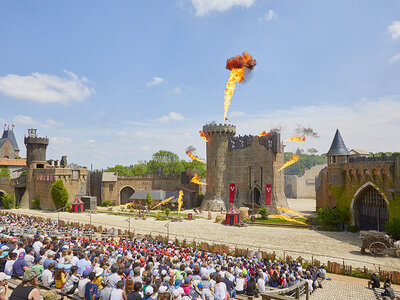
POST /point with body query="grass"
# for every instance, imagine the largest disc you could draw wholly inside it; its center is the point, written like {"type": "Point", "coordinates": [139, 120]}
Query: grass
{"type": "Point", "coordinates": [278, 221]}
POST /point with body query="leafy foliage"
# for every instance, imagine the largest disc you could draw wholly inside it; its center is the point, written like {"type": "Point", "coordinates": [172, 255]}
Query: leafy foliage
{"type": "Point", "coordinates": [163, 160]}
{"type": "Point", "coordinates": [149, 199]}
{"type": "Point", "coordinates": [393, 228]}
{"type": "Point", "coordinates": [263, 211]}
{"type": "Point", "coordinates": [68, 207]}
{"type": "Point", "coordinates": [59, 194]}
{"type": "Point", "coordinates": [8, 201]}
{"type": "Point", "coordinates": [107, 203]}
{"type": "Point", "coordinates": [167, 211]}
{"type": "Point", "coordinates": [4, 172]}
{"type": "Point", "coordinates": [36, 203]}
{"type": "Point", "coordinates": [305, 162]}
{"type": "Point", "coordinates": [333, 218]}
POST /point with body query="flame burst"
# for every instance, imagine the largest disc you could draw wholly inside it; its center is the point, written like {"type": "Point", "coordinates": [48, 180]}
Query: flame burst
{"type": "Point", "coordinates": [197, 180]}
{"type": "Point", "coordinates": [190, 150]}
{"type": "Point", "coordinates": [203, 135]}
{"type": "Point", "coordinates": [290, 211]}
{"type": "Point", "coordinates": [290, 162]}
{"type": "Point", "coordinates": [296, 138]}
{"type": "Point", "coordinates": [264, 133]}
{"type": "Point", "coordinates": [238, 66]}
{"type": "Point", "coordinates": [180, 201]}
{"type": "Point", "coordinates": [288, 219]}
{"type": "Point", "coordinates": [163, 202]}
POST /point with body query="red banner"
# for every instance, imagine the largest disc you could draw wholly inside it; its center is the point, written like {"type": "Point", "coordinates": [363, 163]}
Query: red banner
{"type": "Point", "coordinates": [268, 192]}
{"type": "Point", "coordinates": [232, 193]}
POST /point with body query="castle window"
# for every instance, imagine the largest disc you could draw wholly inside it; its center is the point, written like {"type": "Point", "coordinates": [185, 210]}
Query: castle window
{"type": "Point", "coordinates": [110, 187]}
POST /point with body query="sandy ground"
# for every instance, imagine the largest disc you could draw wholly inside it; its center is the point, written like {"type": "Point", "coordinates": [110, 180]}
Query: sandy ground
{"type": "Point", "coordinates": [333, 246]}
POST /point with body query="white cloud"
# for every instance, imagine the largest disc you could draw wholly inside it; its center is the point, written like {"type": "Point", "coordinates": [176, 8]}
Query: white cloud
{"type": "Point", "coordinates": [27, 120]}
{"type": "Point", "coordinates": [60, 140]}
{"type": "Point", "coordinates": [172, 116]}
{"type": "Point", "coordinates": [156, 80]}
{"type": "Point", "coordinates": [237, 114]}
{"type": "Point", "coordinates": [204, 7]}
{"type": "Point", "coordinates": [269, 16]}
{"type": "Point", "coordinates": [177, 90]}
{"type": "Point", "coordinates": [394, 29]}
{"type": "Point", "coordinates": [394, 58]}
{"type": "Point", "coordinates": [46, 88]}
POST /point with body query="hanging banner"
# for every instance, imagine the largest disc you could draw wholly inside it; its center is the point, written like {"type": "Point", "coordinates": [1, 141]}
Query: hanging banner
{"type": "Point", "coordinates": [268, 192]}
{"type": "Point", "coordinates": [232, 193]}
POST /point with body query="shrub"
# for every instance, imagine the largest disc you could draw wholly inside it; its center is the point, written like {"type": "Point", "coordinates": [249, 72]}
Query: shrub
{"type": "Point", "coordinates": [393, 228]}
{"type": "Point", "coordinates": [59, 194]}
{"type": "Point", "coordinates": [8, 200]}
{"type": "Point", "coordinates": [107, 203]}
{"type": "Point", "coordinates": [36, 203]}
{"type": "Point", "coordinates": [149, 199]}
{"type": "Point", "coordinates": [68, 207]}
{"type": "Point", "coordinates": [159, 216]}
{"type": "Point", "coordinates": [263, 213]}
{"type": "Point", "coordinates": [166, 212]}
{"type": "Point", "coordinates": [4, 172]}
{"type": "Point", "coordinates": [333, 218]}
{"type": "Point", "coordinates": [353, 229]}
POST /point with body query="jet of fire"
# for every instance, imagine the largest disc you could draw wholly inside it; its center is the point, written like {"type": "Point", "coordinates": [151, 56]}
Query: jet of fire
{"type": "Point", "coordinates": [264, 133]}
{"type": "Point", "coordinates": [288, 219]}
{"type": "Point", "coordinates": [203, 135]}
{"type": "Point", "coordinates": [197, 180]}
{"type": "Point", "coordinates": [290, 211]}
{"type": "Point", "coordinates": [296, 138]}
{"type": "Point", "coordinates": [290, 162]}
{"type": "Point", "coordinates": [238, 66]}
{"type": "Point", "coordinates": [190, 150]}
{"type": "Point", "coordinates": [163, 202]}
{"type": "Point", "coordinates": [180, 202]}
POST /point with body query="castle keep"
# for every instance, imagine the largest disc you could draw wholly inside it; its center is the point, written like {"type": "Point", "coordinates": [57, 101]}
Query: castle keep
{"type": "Point", "coordinates": [369, 187]}
{"type": "Point", "coordinates": [250, 162]}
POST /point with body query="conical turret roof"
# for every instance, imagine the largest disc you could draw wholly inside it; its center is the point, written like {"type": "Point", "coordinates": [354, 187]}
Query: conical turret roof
{"type": "Point", "coordinates": [338, 147]}
{"type": "Point", "coordinates": [9, 134]}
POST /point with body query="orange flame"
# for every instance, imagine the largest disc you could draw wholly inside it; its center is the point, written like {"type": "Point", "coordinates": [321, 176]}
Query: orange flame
{"type": "Point", "coordinates": [197, 180]}
{"type": "Point", "coordinates": [194, 157]}
{"type": "Point", "coordinates": [203, 135]}
{"type": "Point", "coordinates": [296, 138]}
{"type": "Point", "coordinates": [288, 219]}
{"type": "Point", "coordinates": [264, 133]}
{"type": "Point", "coordinates": [163, 202]}
{"type": "Point", "coordinates": [237, 65]}
{"type": "Point", "coordinates": [290, 162]}
{"type": "Point", "coordinates": [180, 202]}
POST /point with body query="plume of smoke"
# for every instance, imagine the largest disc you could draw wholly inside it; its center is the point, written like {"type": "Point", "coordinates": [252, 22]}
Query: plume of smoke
{"type": "Point", "coordinates": [191, 149]}
{"type": "Point", "coordinates": [312, 151]}
{"type": "Point", "coordinates": [299, 151]}
{"type": "Point", "coordinates": [277, 129]}
{"type": "Point", "coordinates": [301, 130]}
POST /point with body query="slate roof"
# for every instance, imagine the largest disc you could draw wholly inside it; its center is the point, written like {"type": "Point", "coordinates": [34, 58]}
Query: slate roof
{"type": "Point", "coordinates": [338, 147]}
{"type": "Point", "coordinates": [141, 194]}
{"type": "Point", "coordinates": [9, 134]}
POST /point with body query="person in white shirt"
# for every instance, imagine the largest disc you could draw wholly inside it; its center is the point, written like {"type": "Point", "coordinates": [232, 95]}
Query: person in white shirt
{"type": "Point", "coordinates": [82, 284]}
{"type": "Point", "coordinates": [240, 284]}
{"type": "Point", "coordinates": [219, 288]}
{"type": "Point", "coordinates": [37, 245]}
{"type": "Point", "coordinates": [261, 283]}
{"type": "Point", "coordinates": [47, 275]}
{"type": "Point", "coordinates": [9, 264]}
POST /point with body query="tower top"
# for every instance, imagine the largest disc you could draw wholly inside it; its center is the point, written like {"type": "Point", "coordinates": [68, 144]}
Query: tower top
{"type": "Point", "coordinates": [223, 129]}
{"type": "Point", "coordinates": [338, 148]}
{"type": "Point", "coordinates": [9, 134]}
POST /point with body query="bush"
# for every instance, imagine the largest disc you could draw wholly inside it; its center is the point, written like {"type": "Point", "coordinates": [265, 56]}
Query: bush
{"type": "Point", "coordinates": [68, 207]}
{"type": "Point", "coordinates": [8, 200]}
{"type": "Point", "coordinates": [59, 194]}
{"type": "Point", "coordinates": [353, 229]}
{"type": "Point", "coordinates": [393, 228]}
{"type": "Point", "coordinates": [263, 213]}
{"type": "Point", "coordinates": [333, 218]}
{"type": "Point", "coordinates": [4, 172]}
{"type": "Point", "coordinates": [149, 199]}
{"type": "Point", "coordinates": [36, 203]}
{"type": "Point", "coordinates": [166, 212]}
{"type": "Point", "coordinates": [107, 203]}
{"type": "Point", "coordinates": [159, 216]}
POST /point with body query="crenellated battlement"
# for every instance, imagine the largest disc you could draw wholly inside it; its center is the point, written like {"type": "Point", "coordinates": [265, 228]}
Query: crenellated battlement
{"type": "Point", "coordinates": [36, 140]}
{"type": "Point", "coordinates": [222, 129]}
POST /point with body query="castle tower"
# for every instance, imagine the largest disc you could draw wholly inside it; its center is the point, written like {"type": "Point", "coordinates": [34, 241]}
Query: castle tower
{"type": "Point", "coordinates": [337, 156]}
{"type": "Point", "coordinates": [35, 147]}
{"type": "Point", "coordinates": [217, 150]}
{"type": "Point", "coordinates": [8, 143]}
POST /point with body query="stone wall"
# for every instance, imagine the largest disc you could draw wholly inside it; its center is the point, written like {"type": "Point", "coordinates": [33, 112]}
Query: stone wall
{"type": "Point", "coordinates": [302, 186]}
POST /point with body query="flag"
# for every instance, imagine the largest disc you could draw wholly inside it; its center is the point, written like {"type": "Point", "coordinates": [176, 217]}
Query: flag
{"type": "Point", "coordinates": [232, 193]}
{"type": "Point", "coordinates": [268, 192]}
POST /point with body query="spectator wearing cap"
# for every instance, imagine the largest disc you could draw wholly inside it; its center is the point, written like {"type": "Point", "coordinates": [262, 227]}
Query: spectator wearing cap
{"type": "Point", "coordinates": [374, 282]}
{"type": "Point", "coordinates": [82, 284]}
{"type": "Point", "coordinates": [4, 286]}
{"type": "Point", "coordinates": [10, 262]}
{"type": "Point", "coordinates": [51, 295]}
{"type": "Point", "coordinates": [27, 290]}
{"type": "Point", "coordinates": [19, 267]}
{"type": "Point", "coordinates": [205, 294]}
{"type": "Point", "coordinates": [47, 276]}
{"type": "Point", "coordinates": [135, 294]}
{"type": "Point", "coordinates": [187, 286]}
{"type": "Point", "coordinates": [148, 293]}
{"type": "Point", "coordinates": [177, 291]}
{"type": "Point", "coordinates": [105, 292]}
{"type": "Point", "coordinates": [99, 276]}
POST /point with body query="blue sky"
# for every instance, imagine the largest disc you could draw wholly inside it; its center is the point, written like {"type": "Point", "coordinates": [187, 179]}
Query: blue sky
{"type": "Point", "coordinates": [111, 82]}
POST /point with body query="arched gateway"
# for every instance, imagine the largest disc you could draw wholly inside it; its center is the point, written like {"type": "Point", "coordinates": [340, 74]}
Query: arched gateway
{"type": "Point", "coordinates": [369, 208]}
{"type": "Point", "coordinates": [125, 193]}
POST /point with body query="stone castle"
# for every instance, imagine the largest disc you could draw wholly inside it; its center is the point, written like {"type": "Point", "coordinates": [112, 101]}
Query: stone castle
{"type": "Point", "coordinates": [368, 187]}
{"type": "Point", "coordinates": [250, 162]}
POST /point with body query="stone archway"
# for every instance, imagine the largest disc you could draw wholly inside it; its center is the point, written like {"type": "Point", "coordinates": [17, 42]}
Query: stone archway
{"type": "Point", "coordinates": [369, 208]}
{"type": "Point", "coordinates": [257, 196]}
{"type": "Point", "coordinates": [125, 193]}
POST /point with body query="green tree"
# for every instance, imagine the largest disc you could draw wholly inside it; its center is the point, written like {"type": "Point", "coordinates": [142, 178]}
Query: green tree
{"type": "Point", "coordinates": [333, 218]}
{"type": "Point", "coordinates": [167, 211]}
{"type": "Point", "coordinates": [8, 201]}
{"type": "Point", "coordinates": [4, 172]}
{"type": "Point", "coordinates": [305, 162]}
{"type": "Point", "coordinates": [59, 194]}
{"type": "Point", "coordinates": [392, 228]}
{"type": "Point", "coordinates": [139, 169]}
{"type": "Point", "coordinates": [263, 211]}
{"type": "Point", "coordinates": [149, 199]}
